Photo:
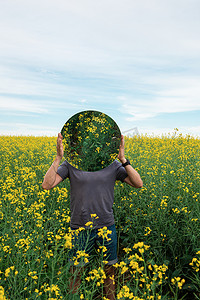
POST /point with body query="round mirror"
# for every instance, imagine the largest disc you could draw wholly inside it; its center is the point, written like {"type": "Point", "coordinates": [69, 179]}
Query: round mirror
{"type": "Point", "coordinates": [91, 140]}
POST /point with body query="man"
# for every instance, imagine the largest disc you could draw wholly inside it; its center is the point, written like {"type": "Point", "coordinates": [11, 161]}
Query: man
{"type": "Point", "coordinates": [93, 193]}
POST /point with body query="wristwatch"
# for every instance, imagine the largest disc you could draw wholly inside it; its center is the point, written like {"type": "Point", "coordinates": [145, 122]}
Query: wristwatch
{"type": "Point", "coordinates": [126, 163]}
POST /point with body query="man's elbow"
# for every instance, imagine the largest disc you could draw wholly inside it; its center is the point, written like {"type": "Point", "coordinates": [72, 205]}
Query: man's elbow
{"type": "Point", "coordinates": [45, 186]}
{"type": "Point", "coordinates": [139, 185]}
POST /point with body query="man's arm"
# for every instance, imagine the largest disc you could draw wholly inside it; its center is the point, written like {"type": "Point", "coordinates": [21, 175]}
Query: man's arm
{"type": "Point", "coordinates": [133, 177]}
{"type": "Point", "coordinates": [51, 178]}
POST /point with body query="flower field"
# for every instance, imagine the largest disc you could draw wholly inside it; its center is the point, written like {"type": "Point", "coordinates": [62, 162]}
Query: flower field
{"type": "Point", "coordinates": [158, 225]}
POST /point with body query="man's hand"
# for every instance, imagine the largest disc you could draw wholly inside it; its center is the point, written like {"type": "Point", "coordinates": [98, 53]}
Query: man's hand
{"type": "Point", "coordinates": [133, 177]}
{"type": "Point", "coordinates": [121, 151]}
{"type": "Point", "coordinates": [51, 177]}
{"type": "Point", "coordinates": [60, 151]}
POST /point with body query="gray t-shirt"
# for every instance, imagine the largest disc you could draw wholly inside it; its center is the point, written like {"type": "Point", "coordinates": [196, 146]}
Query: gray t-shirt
{"type": "Point", "coordinates": [92, 193]}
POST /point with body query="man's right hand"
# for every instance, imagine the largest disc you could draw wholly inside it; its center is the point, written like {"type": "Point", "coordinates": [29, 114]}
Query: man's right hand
{"type": "Point", "coordinates": [51, 177]}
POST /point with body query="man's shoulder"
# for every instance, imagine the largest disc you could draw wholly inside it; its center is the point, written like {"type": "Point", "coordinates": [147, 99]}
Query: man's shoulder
{"type": "Point", "coordinates": [117, 163]}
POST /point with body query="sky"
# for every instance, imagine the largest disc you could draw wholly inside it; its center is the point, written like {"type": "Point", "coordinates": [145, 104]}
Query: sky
{"type": "Point", "coordinates": [136, 61]}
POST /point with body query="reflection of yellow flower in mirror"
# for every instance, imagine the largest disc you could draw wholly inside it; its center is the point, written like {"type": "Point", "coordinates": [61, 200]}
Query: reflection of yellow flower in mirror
{"type": "Point", "coordinates": [98, 149]}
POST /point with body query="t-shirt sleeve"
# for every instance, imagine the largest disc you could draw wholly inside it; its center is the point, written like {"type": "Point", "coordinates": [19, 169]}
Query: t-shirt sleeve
{"type": "Point", "coordinates": [121, 172]}
{"type": "Point", "coordinates": [63, 170]}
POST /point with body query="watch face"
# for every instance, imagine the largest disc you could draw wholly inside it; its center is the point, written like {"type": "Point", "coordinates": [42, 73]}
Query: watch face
{"type": "Point", "coordinates": [91, 140]}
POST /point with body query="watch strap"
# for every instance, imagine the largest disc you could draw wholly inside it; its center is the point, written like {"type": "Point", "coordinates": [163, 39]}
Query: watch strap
{"type": "Point", "coordinates": [126, 163]}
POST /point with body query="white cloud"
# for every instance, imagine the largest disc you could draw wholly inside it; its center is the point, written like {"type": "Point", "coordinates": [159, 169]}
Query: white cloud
{"type": "Point", "coordinates": [173, 96]}
{"type": "Point", "coordinates": [27, 129]}
{"type": "Point", "coordinates": [91, 32]}
{"type": "Point", "coordinates": [10, 104]}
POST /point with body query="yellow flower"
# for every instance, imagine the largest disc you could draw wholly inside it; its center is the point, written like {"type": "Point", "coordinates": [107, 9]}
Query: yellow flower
{"type": "Point", "coordinates": [127, 250]}
{"type": "Point", "coordinates": [8, 270]}
{"type": "Point", "coordinates": [89, 224]}
{"type": "Point", "coordinates": [104, 232]}
{"type": "Point", "coordinates": [178, 281]}
{"type": "Point", "coordinates": [125, 292]}
{"type": "Point", "coordinates": [94, 216]}
{"type": "Point", "coordinates": [68, 243]}
{"type": "Point", "coordinates": [81, 256]}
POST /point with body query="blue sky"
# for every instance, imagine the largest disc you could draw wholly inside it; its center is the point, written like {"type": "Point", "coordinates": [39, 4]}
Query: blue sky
{"type": "Point", "coordinates": [137, 61]}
